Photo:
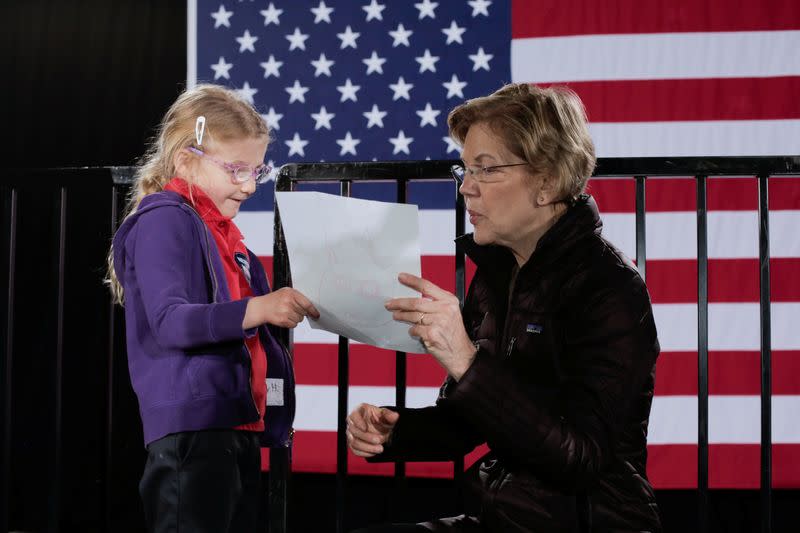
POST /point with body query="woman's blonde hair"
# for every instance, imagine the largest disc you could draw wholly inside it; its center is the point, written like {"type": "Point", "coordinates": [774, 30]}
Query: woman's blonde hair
{"type": "Point", "coordinates": [228, 117]}
{"type": "Point", "coordinates": [546, 127]}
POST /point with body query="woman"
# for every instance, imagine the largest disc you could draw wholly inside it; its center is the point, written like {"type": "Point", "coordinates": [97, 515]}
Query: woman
{"type": "Point", "coordinates": [552, 360]}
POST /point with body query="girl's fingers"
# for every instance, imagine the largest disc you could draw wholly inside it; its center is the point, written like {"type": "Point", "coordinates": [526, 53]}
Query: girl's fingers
{"type": "Point", "coordinates": [305, 305]}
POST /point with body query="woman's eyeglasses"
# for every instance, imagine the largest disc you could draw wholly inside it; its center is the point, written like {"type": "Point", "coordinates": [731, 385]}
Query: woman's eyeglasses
{"type": "Point", "coordinates": [479, 174]}
{"type": "Point", "coordinates": [239, 173]}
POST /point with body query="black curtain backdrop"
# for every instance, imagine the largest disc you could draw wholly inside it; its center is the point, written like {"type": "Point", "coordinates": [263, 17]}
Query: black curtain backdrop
{"type": "Point", "coordinates": [88, 79]}
{"type": "Point", "coordinates": [84, 84]}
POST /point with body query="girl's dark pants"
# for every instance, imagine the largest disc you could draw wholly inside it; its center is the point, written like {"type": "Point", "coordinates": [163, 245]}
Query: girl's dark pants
{"type": "Point", "coordinates": [202, 481]}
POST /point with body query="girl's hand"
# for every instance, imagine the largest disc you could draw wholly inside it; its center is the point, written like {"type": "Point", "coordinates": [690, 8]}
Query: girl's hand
{"type": "Point", "coordinates": [285, 308]}
{"type": "Point", "coordinates": [437, 322]}
{"type": "Point", "coordinates": [369, 428]}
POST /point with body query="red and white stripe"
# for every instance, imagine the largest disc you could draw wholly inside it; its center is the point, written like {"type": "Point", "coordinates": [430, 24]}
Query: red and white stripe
{"type": "Point", "coordinates": [675, 78]}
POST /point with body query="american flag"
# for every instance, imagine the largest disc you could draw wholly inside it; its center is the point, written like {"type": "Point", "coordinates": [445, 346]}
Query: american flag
{"type": "Point", "coordinates": [362, 80]}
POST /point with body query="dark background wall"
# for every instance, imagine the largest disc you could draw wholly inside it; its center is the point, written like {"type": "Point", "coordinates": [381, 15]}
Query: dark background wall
{"type": "Point", "coordinates": [88, 79]}
{"type": "Point", "coordinates": [85, 82]}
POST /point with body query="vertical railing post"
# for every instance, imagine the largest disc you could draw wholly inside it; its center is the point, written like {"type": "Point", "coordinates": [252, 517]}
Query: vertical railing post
{"type": "Point", "coordinates": [461, 284]}
{"type": "Point", "coordinates": [341, 433]}
{"type": "Point", "coordinates": [401, 370]}
{"type": "Point", "coordinates": [702, 354]}
{"type": "Point", "coordinates": [110, 382]}
{"type": "Point", "coordinates": [54, 516]}
{"type": "Point", "coordinates": [280, 458]}
{"type": "Point", "coordinates": [766, 355]}
{"type": "Point", "coordinates": [641, 228]}
{"type": "Point", "coordinates": [8, 365]}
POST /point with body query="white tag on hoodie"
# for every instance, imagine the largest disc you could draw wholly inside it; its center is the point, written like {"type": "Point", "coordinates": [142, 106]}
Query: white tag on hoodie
{"type": "Point", "coordinates": [275, 391]}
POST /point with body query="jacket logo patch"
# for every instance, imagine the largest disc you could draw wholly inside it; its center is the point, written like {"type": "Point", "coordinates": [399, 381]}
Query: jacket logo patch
{"type": "Point", "coordinates": [533, 328]}
{"type": "Point", "coordinates": [244, 264]}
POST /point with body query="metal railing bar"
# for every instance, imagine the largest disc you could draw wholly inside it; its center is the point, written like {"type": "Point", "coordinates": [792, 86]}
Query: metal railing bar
{"type": "Point", "coordinates": [5, 502]}
{"type": "Point", "coordinates": [766, 354]}
{"type": "Point", "coordinates": [110, 378]}
{"type": "Point", "coordinates": [641, 228]}
{"type": "Point", "coordinates": [54, 517]}
{"type": "Point", "coordinates": [401, 371]}
{"type": "Point", "coordinates": [341, 437]}
{"type": "Point", "coordinates": [702, 353]}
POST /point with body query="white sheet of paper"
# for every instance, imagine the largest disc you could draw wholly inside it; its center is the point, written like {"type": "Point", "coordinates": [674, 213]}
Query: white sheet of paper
{"type": "Point", "coordinates": [345, 255]}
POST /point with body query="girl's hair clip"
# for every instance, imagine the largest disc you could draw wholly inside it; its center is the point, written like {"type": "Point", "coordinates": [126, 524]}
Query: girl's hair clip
{"type": "Point", "coordinates": [199, 129]}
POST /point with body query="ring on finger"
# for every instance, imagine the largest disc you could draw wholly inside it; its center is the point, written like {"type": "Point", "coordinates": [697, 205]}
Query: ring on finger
{"type": "Point", "coordinates": [421, 319]}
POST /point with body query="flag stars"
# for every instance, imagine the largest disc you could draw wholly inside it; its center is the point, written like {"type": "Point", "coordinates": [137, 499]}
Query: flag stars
{"type": "Point", "coordinates": [480, 7]}
{"type": "Point", "coordinates": [322, 66]}
{"type": "Point", "coordinates": [455, 87]}
{"type": "Point", "coordinates": [348, 91]}
{"type": "Point", "coordinates": [247, 92]}
{"type": "Point", "coordinates": [322, 119]}
{"type": "Point", "coordinates": [297, 40]}
{"type": "Point", "coordinates": [297, 93]}
{"type": "Point", "coordinates": [271, 15]}
{"type": "Point", "coordinates": [374, 117]}
{"type": "Point", "coordinates": [322, 13]}
{"type": "Point", "coordinates": [426, 9]}
{"type": "Point", "coordinates": [401, 143]}
{"type": "Point", "coordinates": [400, 36]}
{"type": "Point", "coordinates": [348, 144]}
{"type": "Point", "coordinates": [452, 146]}
{"type": "Point", "coordinates": [271, 67]}
{"type": "Point", "coordinates": [296, 145]}
{"type": "Point", "coordinates": [348, 38]}
{"type": "Point", "coordinates": [273, 119]}
{"type": "Point", "coordinates": [427, 62]}
{"type": "Point", "coordinates": [246, 42]}
{"type": "Point", "coordinates": [428, 115]}
{"type": "Point", "coordinates": [222, 17]}
{"type": "Point", "coordinates": [221, 69]}
{"type": "Point", "coordinates": [454, 33]}
{"type": "Point", "coordinates": [374, 63]}
{"type": "Point", "coordinates": [480, 60]}
{"type": "Point", "coordinates": [374, 10]}
{"type": "Point", "coordinates": [401, 89]}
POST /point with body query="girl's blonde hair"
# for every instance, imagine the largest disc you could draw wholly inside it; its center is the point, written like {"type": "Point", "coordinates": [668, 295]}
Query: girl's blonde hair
{"type": "Point", "coordinates": [227, 118]}
{"type": "Point", "coordinates": [546, 127]}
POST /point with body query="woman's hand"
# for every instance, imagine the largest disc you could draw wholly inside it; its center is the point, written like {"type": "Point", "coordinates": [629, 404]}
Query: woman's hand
{"type": "Point", "coordinates": [369, 428]}
{"type": "Point", "coordinates": [285, 307]}
{"type": "Point", "coordinates": [437, 322]}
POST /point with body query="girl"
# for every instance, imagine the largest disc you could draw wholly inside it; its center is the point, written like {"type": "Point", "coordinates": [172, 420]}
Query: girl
{"type": "Point", "coordinates": [198, 309]}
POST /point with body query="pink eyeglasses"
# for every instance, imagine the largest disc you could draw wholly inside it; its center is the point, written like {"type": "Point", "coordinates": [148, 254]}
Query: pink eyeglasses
{"type": "Point", "coordinates": [239, 173]}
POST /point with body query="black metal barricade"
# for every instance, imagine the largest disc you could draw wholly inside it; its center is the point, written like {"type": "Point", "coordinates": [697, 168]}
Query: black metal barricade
{"type": "Point", "coordinates": [71, 442]}
{"type": "Point", "coordinates": [71, 439]}
{"type": "Point", "coordinates": [639, 169]}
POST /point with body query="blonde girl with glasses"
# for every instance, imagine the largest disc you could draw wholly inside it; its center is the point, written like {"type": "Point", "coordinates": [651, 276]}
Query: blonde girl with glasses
{"type": "Point", "coordinates": [199, 318]}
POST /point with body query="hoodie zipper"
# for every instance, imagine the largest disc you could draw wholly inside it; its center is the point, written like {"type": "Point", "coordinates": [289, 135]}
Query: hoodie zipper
{"type": "Point", "coordinates": [208, 257]}
{"type": "Point", "coordinates": [214, 284]}
{"type": "Point", "coordinates": [511, 288]}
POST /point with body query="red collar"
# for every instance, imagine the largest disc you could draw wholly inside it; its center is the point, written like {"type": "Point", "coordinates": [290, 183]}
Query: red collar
{"type": "Point", "coordinates": [204, 205]}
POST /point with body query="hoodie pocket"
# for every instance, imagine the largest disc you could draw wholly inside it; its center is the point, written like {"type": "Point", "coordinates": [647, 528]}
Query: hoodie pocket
{"type": "Point", "coordinates": [213, 375]}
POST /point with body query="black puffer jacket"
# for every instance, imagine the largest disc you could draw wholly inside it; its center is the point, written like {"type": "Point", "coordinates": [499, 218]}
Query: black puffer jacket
{"type": "Point", "coordinates": [560, 390]}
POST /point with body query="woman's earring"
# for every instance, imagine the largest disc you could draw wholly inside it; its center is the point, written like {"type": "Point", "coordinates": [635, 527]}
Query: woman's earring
{"type": "Point", "coordinates": [540, 200]}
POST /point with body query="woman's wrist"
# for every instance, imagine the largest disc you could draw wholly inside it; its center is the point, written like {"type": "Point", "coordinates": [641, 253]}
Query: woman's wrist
{"type": "Point", "coordinates": [465, 362]}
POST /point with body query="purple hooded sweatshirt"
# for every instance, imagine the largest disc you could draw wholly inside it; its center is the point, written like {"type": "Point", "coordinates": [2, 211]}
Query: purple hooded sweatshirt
{"type": "Point", "coordinates": [187, 358]}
